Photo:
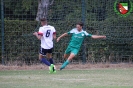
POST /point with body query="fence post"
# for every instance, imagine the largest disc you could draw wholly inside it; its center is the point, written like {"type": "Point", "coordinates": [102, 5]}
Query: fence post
{"type": "Point", "coordinates": [83, 20]}
{"type": "Point", "coordinates": [2, 31]}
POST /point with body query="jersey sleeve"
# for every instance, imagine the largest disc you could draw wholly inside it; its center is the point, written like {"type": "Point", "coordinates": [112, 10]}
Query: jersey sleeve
{"type": "Point", "coordinates": [40, 32]}
{"type": "Point", "coordinates": [71, 32]}
{"type": "Point", "coordinates": [54, 31]}
{"type": "Point", "coordinates": [87, 34]}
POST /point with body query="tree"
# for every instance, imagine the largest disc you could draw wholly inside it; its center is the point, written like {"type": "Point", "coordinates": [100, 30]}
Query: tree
{"type": "Point", "coordinates": [43, 6]}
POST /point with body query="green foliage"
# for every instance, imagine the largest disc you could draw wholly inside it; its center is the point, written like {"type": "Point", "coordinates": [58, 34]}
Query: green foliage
{"type": "Point", "coordinates": [20, 44]}
{"type": "Point", "coordinates": [20, 9]}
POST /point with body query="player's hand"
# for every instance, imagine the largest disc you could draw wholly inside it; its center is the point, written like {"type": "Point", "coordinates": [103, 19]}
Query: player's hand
{"type": "Point", "coordinates": [58, 39]}
{"type": "Point", "coordinates": [35, 33]}
{"type": "Point", "coordinates": [104, 37]}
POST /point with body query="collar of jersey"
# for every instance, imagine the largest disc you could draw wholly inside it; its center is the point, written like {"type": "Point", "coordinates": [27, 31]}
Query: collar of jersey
{"type": "Point", "coordinates": [45, 25]}
{"type": "Point", "coordinates": [78, 31]}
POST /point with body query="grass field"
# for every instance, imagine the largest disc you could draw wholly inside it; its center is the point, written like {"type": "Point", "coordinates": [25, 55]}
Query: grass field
{"type": "Point", "coordinates": [91, 78]}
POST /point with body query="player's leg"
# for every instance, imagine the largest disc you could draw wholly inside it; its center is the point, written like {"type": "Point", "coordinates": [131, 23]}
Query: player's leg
{"type": "Point", "coordinates": [72, 55]}
{"type": "Point", "coordinates": [74, 52]}
{"type": "Point", "coordinates": [66, 56]}
{"type": "Point", "coordinates": [67, 52]}
{"type": "Point", "coordinates": [49, 56]}
{"type": "Point", "coordinates": [44, 60]}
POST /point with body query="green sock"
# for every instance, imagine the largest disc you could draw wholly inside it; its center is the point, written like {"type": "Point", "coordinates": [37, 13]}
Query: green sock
{"type": "Point", "coordinates": [64, 64]}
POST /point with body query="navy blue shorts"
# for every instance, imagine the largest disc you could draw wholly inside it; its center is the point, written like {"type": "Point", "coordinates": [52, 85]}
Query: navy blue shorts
{"type": "Point", "coordinates": [45, 51]}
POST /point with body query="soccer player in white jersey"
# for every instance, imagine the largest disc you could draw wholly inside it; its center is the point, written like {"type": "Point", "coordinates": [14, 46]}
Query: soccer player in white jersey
{"type": "Point", "coordinates": [78, 35]}
{"type": "Point", "coordinates": [46, 34]}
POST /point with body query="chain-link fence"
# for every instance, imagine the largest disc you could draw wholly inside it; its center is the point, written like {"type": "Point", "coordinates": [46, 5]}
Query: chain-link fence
{"type": "Point", "coordinates": [99, 16]}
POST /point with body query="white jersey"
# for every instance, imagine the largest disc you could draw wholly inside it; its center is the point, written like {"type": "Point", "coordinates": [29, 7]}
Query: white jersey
{"type": "Point", "coordinates": [47, 32]}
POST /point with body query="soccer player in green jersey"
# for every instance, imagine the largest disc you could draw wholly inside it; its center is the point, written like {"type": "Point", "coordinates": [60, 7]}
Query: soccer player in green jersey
{"type": "Point", "coordinates": [78, 35]}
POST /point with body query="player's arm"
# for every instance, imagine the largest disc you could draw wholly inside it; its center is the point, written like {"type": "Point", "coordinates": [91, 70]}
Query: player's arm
{"type": "Point", "coordinates": [98, 36]}
{"type": "Point", "coordinates": [39, 36]}
{"type": "Point", "coordinates": [63, 35]}
{"type": "Point", "coordinates": [95, 36]}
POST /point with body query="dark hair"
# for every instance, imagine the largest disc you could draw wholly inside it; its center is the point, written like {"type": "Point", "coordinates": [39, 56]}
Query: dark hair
{"type": "Point", "coordinates": [81, 24]}
{"type": "Point", "coordinates": [43, 19]}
